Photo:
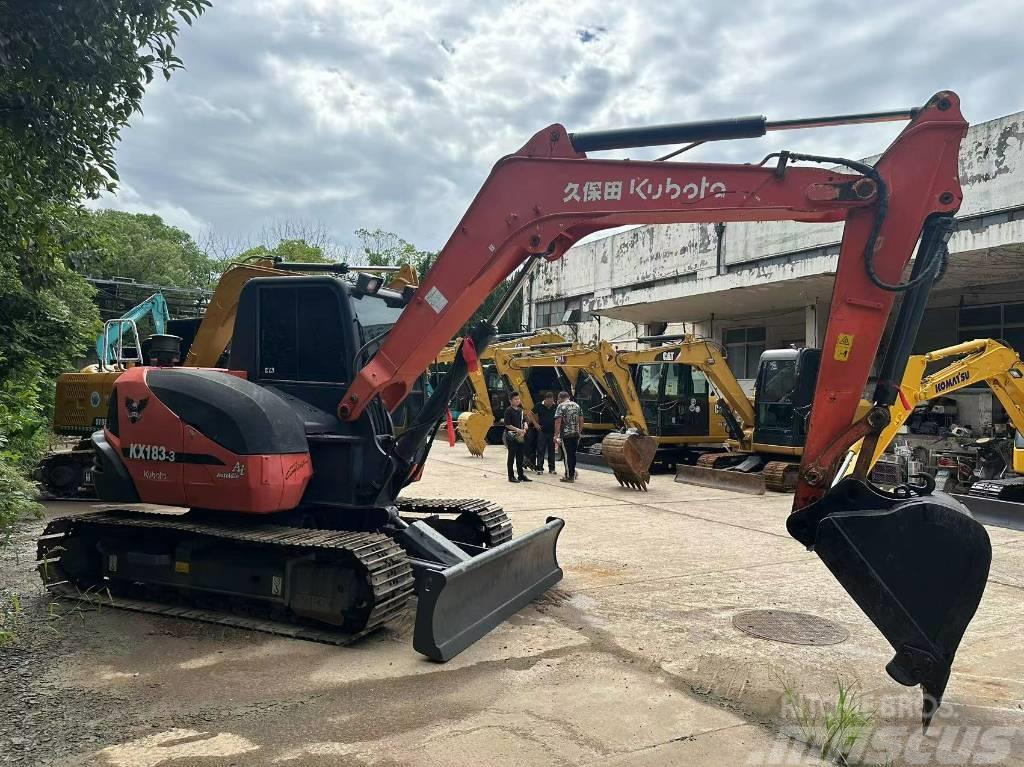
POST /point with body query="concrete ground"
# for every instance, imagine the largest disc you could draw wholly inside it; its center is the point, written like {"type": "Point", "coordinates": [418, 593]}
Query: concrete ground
{"type": "Point", "coordinates": [632, 660]}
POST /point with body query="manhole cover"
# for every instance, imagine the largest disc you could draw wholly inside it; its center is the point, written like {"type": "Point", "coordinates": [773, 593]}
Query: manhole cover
{"type": "Point", "coordinates": [791, 627]}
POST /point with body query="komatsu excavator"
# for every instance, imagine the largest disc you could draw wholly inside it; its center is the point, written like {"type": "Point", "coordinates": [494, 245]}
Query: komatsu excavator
{"type": "Point", "coordinates": [981, 361]}
{"type": "Point", "coordinates": [477, 424]}
{"type": "Point", "coordinates": [291, 472]}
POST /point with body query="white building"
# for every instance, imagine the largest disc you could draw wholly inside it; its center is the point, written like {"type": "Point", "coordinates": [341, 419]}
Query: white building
{"type": "Point", "coordinates": [767, 285]}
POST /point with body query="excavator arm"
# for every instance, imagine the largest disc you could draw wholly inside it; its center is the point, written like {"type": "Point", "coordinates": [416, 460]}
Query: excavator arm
{"type": "Point", "coordinates": [706, 356]}
{"type": "Point", "coordinates": [892, 555]}
{"type": "Point", "coordinates": [474, 425]}
{"type": "Point", "coordinates": [154, 306]}
{"type": "Point", "coordinates": [219, 320]}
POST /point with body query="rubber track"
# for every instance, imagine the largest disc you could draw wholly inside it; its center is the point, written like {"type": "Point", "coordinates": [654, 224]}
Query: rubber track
{"type": "Point", "coordinates": [497, 525]}
{"type": "Point", "coordinates": [389, 572]}
{"type": "Point", "coordinates": [781, 476]}
{"type": "Point", "coordinates": [711, 460]}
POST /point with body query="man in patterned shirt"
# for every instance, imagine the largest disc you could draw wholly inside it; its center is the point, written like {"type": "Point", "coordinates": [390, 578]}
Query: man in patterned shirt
{"type": "Point", "coordinates": [568, 428]}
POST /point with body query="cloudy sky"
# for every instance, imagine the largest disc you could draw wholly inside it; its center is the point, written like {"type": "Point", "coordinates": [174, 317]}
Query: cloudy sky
{"type": "Point", "coordinates": [389, 114]}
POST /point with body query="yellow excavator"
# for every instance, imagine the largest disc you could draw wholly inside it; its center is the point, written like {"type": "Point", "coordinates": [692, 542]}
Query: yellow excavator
{"type": "Point", "coordinates": [530, 381]}
{"type": "Point", "coordinates": [982, 360]}
{"type": "Point", "coordinates": [663, 404]}
{"type": "Point", "coordinates": [81, 401]}
{"type": "Point", "coordinates": [488, 388]}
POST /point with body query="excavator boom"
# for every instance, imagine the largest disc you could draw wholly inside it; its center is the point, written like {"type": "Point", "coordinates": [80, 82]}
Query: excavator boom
{"type": "Point", "coordinates": [539, 201]}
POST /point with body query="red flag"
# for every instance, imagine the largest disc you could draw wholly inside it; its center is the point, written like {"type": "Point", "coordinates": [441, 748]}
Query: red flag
{"type": "Point", "coordinates": [469, 354]}
{"type": "Point", "coordinates": [451, 428]}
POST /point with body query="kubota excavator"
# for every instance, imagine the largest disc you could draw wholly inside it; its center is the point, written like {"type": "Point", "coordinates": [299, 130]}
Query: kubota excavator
{"type": "Point", "coordinates": [292, 474]}
{"type": "Point", "coordinates": [82, 398]}
{"type": "Point", "coordinates": [489, 393]}
{"type": "Point", "coordinates": [81, 401]}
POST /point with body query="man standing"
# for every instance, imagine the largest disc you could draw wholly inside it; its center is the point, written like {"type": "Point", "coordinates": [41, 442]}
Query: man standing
{"type": "Point", "coordinates": [545, 413]}
{"type": "Point", "coordinates": [568, 427]}
{"type": "Point", "coordinates": [515, 434]}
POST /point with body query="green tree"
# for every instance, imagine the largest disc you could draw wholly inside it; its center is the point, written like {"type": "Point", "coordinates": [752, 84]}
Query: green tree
{"type": "Point", "coordinates": [143, 248]}
{"type": "Point", "coordinates": [382, 248]}
{"type": "Point", "coordinates": [298, 251]}
{"type": "Point", "coordinates": [71, 75]}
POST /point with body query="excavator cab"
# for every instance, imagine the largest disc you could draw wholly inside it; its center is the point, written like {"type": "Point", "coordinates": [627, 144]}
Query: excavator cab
{"type": "Point", "coordinates": [783, 393]}
{"type": "Point", "coordinates": [674, 399]}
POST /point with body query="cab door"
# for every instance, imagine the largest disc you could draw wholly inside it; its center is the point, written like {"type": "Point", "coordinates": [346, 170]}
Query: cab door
{"type": "Point", "coordinates": [648, 379]}
{"type": "Point", "coordinates": [683, 409]}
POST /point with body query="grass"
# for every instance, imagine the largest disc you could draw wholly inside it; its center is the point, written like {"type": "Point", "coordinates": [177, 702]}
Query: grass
{"type": "Point", "coordinates": [11, 616]}
{"type": "Point", "coordinates": [834, 727]}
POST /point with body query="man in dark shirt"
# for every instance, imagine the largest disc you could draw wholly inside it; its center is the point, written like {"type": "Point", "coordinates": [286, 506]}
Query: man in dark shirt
{"type": "Point", "coordinates": [515, 434]}
{"type": "Point", "coordinates": [545, 413]}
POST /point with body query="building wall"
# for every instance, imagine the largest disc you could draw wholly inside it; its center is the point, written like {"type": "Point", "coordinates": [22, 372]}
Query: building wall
{"type": "Point", "coordinates": [645, 265]}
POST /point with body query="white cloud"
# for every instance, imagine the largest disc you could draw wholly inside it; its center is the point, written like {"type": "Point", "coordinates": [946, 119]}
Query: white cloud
{"type": "Point", "coordinates": [390, 114]}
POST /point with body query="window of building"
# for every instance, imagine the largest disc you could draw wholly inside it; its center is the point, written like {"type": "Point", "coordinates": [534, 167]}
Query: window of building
{"type": "Point", "coordinates": [550, 313]}
{"type": "Point", "coordinates": [1003, 322]}
{"type": "Point", "coordinates": [744, 347]}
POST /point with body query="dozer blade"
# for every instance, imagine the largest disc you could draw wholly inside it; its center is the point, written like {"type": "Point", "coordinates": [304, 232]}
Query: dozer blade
{"type": "Point", "coordinates": [721, 479]}
{"type": "Point", "coordinates": [916, 566]}
{"type": "Point", "coordinates": [630, 455]}
{"type": "Point", "coordinates": [473, 428]}
{"type": "Point", "coordinates": [460, 604]}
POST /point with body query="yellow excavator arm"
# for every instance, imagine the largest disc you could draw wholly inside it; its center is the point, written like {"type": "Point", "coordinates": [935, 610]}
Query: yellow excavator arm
{"type": "Point", "coordinates": [474, 424]}
{"type": "Point", "coordinates": [219, 320]}
{"type": "Point", "coordinates": [707, 357]}
{"type": "Point", "coordinates": [982, 360]}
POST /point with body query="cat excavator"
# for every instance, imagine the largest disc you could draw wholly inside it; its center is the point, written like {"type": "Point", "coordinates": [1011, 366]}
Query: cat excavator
{"type": "Point", "coordinates": [489, 392]}
{"type": "Point", "coordinates": [532, 381]}
{"type": "Point", "coordinates": [663, 404]}
{"type": "Point", "coordinates": [286, 473]}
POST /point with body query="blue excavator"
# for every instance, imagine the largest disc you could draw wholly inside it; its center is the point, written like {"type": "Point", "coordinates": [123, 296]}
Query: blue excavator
{"type": "Point", "coordinates": [112, 337]}
{"type": "Point", "coordinates": [80, 404]}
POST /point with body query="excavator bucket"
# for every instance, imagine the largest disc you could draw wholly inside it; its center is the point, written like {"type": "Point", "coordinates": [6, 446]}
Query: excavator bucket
{"type": "Point", "coordinates": [630, 456]}
{"type": "Point", "coordinates": [473, 428]}
{"type": "Point", "coordinates": [915, 564]}
{"type": "Point", "coordinates": [461, 603]}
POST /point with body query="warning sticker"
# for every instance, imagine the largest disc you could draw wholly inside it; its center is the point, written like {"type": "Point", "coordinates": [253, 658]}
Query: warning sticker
{"type": "Point", "coordinates": [436, 300]}
{"type": "Point", "coordinates": [844, 344]}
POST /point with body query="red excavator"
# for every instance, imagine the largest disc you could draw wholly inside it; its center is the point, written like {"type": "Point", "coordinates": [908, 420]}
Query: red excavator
{"type": "Point", "coordinates": [289, 468]}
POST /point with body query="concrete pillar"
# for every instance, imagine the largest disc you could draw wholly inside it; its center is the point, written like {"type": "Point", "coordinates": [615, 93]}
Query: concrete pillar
{"type": "Point", "coordinates": [815, 323]}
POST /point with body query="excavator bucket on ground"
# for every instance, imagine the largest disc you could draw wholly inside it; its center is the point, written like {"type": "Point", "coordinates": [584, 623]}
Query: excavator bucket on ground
{"type": "Point", "coordinates": [630, 455]}
{"type": "Point", "coordinates": [915, 564]}
{"type": "Point", "coordinates": [473, 428]}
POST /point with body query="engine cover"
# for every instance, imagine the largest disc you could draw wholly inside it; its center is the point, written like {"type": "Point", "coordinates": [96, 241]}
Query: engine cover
{"type": "Point", "coordinates": [201, 438]}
